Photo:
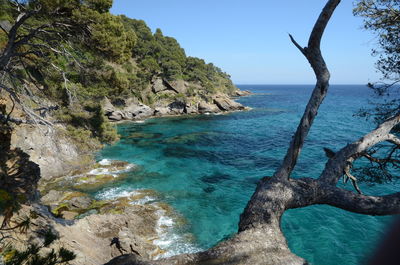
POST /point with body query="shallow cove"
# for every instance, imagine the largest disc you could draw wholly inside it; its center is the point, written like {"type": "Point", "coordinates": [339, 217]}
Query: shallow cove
{"type": "Point", "coordinates": [207, 167]}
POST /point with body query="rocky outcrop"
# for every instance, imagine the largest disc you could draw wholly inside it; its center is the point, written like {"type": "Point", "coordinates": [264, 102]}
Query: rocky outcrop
{"type": "Point", "coordinates": [131, 109]}
{"type": "Point", "coordinates": [86, 225]}
{"type": "Point", "coordinates": [224, 103]}
{"type": "Point", "coordinates": [242, 93]}
{"type": "Point", "coordinates": [137, 111]}
{"type": "Point", "coordinates": [89, 238]}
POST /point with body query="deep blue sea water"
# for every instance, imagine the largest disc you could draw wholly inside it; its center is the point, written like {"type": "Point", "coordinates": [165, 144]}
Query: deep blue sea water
{"type": "Point", "coordinates": [207, 167]}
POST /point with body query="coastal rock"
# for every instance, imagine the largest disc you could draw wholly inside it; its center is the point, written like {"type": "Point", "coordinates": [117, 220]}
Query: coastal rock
{"type": "Point", "coordinates": [161, 111]}
{"type": "Point", "coordinates": [205, 107]}
{"type": "Point", "coordinates": [90, 237]}
{"type": "Point", "coordinates": [67, 215]}
{"type": "Point", "coordinates": [80, 202]}
{"type": "Point", "coordinates": [137, 111]}
{"type": "Point", "coordinates": [52, 197]}
{"type": "Point", "coordinates": [226, 104]}
{"type": "Point", "coordinates": [177, 107]}
{"type": "Point", "coordinates": [130, 109]}
{"type": "Point", "coordinates": [62, 201]}
{"type": "Point", "coordinates": [115, 115]}
{"type": "Point", "coordinates": [191, 108]}
{"type": "Point", "coordinates": [92, 182]}
{"type": "Point", "coordinates": [242, 93]}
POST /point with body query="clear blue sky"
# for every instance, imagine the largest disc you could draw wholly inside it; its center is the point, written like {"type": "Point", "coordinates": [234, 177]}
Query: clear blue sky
{"type": "Point", "coordinates": [248, 39]}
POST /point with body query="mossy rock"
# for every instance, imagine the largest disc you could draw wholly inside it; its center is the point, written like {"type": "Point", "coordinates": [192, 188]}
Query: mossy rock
{"type": "Point", "coordinates": [57, 211]}
{"type": "Point", "coordinates": [73, 194]}
{"type": "Point", "coordinates": [92, 182]}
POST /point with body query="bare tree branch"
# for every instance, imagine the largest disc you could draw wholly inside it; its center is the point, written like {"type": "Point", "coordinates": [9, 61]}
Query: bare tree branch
{"type": "Point", "coordinates": [301, 49]}
{"type": "Point", "coordinates": [335, 166]}
{"type": "Point", "coordinates": [314, 56]}
{"type": "Point", "coordinates": [393, 139]}
{"type": "Point", "coordinates": [363, 204]}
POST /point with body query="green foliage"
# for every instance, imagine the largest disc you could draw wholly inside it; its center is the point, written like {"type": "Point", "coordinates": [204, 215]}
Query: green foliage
{"type": "Point", "coordinates": [150, 65]}
{"type": "Point", "coordinates": [87, 123]}
{"type": "Point", "coordinates": [109, 37]}
{"type": "Point", "coordinates": [5, 199]}
{"type": "Point", "coordinates": [101, 6]}
{"type": "Point", "coordinates": [382, 17]}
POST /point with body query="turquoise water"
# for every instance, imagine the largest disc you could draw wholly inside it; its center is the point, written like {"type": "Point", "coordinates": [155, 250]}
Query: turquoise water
{"type": "Point", "coordinates": [207, 167]}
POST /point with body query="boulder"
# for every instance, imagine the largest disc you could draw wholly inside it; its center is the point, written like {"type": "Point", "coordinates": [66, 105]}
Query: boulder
{"type": "Point", "coordinates": [191, 108]}
{"type": "Point", "coordinates": [81, 202]}
{"type": "Point", "coordinates": [242, 93]}
{"type": "Point", "coordinates": [161, 111]}
{"type": "Point", "coordinates": [179, 86]}
{"type": "Point", "coordinates": [158, 85]}
{"type": "Point", "coordinates": [115, 115]}
{"type": "Point", "coordinates": [177, 107]}
{"type": "Point", "coordinates": [205, 107]}
{"type": "Point", "coordinates": [131, 109]}
{"type": "Point", "coordinates": [137, 111]}
{"type": "Point", "coordinates": [226, 104]}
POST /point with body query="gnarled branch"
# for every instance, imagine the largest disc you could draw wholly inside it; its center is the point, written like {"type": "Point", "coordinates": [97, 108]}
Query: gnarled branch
{"type": "Point", "coordinates": [363, 204]}
{"type": "Point", "coordinates": [336, 165]}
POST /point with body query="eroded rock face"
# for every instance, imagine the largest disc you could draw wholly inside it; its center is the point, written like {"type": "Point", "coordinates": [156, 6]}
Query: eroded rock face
{"type": "Point", "coordinates": [49, 148]}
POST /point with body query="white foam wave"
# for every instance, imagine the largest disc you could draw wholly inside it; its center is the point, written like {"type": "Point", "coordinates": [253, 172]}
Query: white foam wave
{"type": "Point", "coordinates": [116, 193]}
{"type": "Point", "coordinates": [105, 162]}
{"type": "Point", "coordinates": [101, 170]}
{"type": "Point", "coordinates": [143, 200]}
{"type": "Point", "coordinates": [171, 241]}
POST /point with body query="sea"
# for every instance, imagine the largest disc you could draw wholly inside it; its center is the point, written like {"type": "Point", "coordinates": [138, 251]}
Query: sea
{"type": "Point", "coordinates": [206, 168]}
